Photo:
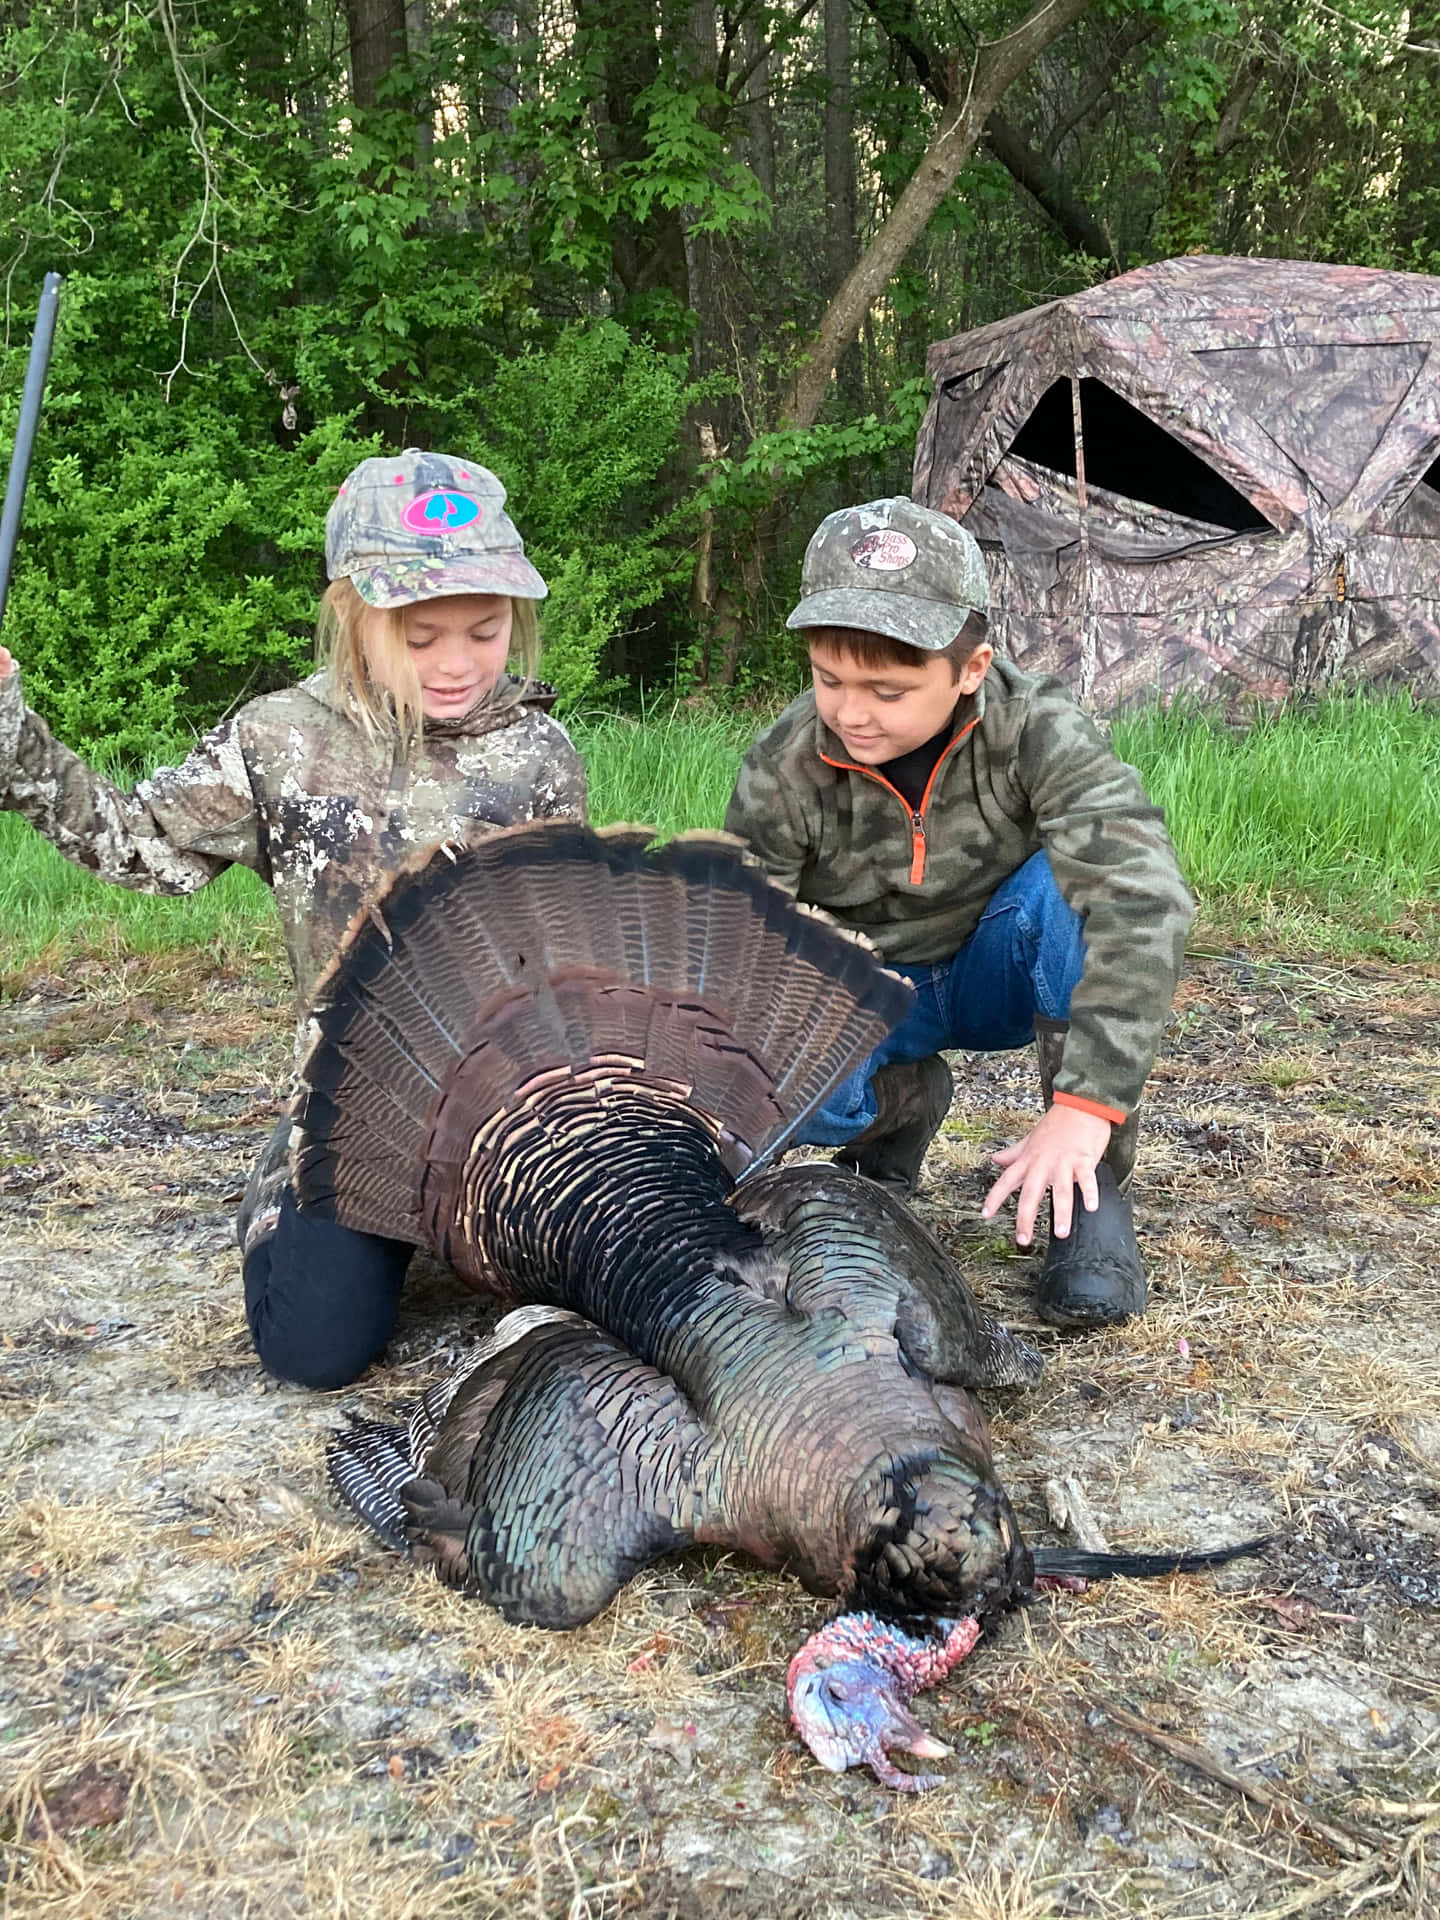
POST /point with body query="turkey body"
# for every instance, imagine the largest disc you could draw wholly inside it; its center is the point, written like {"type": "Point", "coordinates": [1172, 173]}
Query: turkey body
{"type": "Point", "coordinates": [783, 1366]}
{"type": "Point", "coordinates": [772, 1407]}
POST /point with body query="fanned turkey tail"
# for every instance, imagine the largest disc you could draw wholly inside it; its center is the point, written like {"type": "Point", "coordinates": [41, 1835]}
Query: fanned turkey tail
{"type": "Point", "coordinates": [1075, 1563]}
{"type": "Point", "coordinates": [542, 985]}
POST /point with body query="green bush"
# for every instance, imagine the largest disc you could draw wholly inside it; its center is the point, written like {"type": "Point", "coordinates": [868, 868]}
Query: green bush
{"type": "Point", "coordinates": [172, 558]}
{"type": "Point", "coordinates": [166, 574]}
{"type": "Point", "coordinates": [579, 433]}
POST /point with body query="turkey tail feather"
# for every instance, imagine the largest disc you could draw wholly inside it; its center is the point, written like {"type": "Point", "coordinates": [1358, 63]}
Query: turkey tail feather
{"type": "Point", "coordinates": [369, 1463]}
{"type": "Point", "coordinates": [549, 948]}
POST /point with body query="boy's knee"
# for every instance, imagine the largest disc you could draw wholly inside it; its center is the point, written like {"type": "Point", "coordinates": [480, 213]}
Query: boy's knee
{"type": "Point", "coordinates": [1034, 888]}
{"type": "Point", "coordinates": [1044, 913]}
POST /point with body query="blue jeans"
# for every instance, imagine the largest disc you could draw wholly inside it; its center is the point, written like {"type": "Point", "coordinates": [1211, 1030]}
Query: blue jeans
{"type": "Point", "coordinates": [1024, 958]}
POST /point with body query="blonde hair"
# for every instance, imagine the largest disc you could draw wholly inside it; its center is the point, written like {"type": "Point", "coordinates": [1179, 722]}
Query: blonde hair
{"type": "Point", "coordinates": [350, 635]}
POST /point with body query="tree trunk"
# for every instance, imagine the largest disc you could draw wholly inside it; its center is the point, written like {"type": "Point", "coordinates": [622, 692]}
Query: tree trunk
{"type": "Point", "coordinates": [840, 197]}
{"type": "Point", "coordinates": [377, 45]}
{"type": "Point", "coordinates": [1098, 95]}
{"type": "Point", "coordinates": [839, 147]}
{"type": "Point", "coordinates": [1192, 216]}
{"type": "Point", "coordinates": [377, 42]}
{"type": "Point", "coordinates": [417, 44]}
{"type": "Point", "coordinates": [648, 255]}
{"type": "Point", "coordinates": [702, 54]}
{"type": "Point", "coordinates": [759, 118]}
{"type": "Point", "coordinates": [996, 64]}
{"type": "Point", "coordinates": [499, 96]}
{"type": "Point", "coordinates": [1029, 168]}
{"type": "Point", "coordinates": [1417, 184]}
{"type": "Point", "coordinates": [1026, 165]}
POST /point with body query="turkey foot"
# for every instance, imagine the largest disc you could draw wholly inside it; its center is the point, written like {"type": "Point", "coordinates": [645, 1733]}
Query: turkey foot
{"type": "Point", "coordinates": [849, 1690]}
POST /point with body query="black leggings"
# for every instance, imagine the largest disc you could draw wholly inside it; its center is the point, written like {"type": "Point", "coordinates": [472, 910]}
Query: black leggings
{"type": "Point", "coordinates": [321, 1300]}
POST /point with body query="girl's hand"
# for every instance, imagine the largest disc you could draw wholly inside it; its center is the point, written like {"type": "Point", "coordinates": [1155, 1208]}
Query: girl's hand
{"type": "Point", "coordinates": [1060, 1153]}
{"type": "Point", "coordinates": [7, 664]}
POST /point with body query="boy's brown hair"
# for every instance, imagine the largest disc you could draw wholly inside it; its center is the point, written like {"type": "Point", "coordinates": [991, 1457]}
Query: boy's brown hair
{"type": "Point", "coordinates": [877, 650]}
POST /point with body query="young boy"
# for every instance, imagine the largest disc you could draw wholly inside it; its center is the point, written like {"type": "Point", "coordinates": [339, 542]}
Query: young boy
{"type": "Point", "coordinates": [974, 824]}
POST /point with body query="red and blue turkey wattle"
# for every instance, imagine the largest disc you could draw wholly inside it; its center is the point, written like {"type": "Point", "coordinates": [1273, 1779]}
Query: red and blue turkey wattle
{"type": "Point", "coordinates": [849, 1690]}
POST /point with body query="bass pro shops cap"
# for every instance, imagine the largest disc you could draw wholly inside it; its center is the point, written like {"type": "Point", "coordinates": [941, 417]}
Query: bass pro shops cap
{"type": "Point", "coordinates": [894, 568]}
{"type": "Point", "coordinates": [418, 524]}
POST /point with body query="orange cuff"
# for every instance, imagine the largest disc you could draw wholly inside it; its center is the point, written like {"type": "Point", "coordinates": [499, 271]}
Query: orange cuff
{"type": "Point", "coordinates": [1116, 1118]}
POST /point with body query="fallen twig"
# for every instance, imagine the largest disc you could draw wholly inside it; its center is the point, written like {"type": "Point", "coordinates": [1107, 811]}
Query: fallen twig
{"type": "Point", "coordinates": [1399, 1862]}
{"type": "Point", "coordinates": [1351, 1879]}
{"type": "Point", "coordinates": [1403, 1859]}
{"type": "Point", "coordinates": [1070, 1513]}
{"type": "Point", "coordinates": [1348, 1841]}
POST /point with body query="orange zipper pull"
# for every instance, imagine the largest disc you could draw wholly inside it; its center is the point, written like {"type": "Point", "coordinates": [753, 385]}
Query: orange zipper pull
{"type": "Point", "coordinates": [917, 848]}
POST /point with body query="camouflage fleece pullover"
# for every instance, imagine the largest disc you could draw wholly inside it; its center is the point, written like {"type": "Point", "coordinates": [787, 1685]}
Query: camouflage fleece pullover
{"type": "Point", "coordinates": [1025, 770]}
{"type": "Point", "coordinates": [292, 787]}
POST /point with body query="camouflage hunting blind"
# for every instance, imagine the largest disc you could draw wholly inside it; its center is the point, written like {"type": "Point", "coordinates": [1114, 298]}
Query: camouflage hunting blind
{"type": "Point", "coordinates": [1213, 474]}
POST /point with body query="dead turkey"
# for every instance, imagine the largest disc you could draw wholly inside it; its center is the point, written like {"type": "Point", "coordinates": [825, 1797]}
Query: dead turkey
{"type": "Point", "coordinates": [548, 1057]}
{"type": "Point", "coordinates": [563, 1060]}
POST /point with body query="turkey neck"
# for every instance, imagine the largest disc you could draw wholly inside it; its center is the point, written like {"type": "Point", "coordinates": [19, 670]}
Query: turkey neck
{"type": "Point", "coordinates": [607, 1201]}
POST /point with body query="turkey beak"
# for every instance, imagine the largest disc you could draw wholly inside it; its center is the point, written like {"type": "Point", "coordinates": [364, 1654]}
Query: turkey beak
{"type": "Point", "coordinates": [903, 1733]}
{"type": "Point", "coordinates": [923, 1745]}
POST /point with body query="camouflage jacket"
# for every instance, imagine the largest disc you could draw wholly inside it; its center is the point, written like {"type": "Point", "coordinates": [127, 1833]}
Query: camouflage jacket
{"type": "Point", "coordinates": [292, 787]}
{"type": "Point", "coordinates": [1024, 770]}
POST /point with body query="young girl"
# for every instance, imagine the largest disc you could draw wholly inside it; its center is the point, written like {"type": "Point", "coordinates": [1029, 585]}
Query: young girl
{"type": "Point", "coordinates": [411, 732]}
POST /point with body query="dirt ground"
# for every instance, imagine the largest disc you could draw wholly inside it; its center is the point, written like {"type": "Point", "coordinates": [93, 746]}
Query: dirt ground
{"type": "Point", "coordinates": [219, 1697]}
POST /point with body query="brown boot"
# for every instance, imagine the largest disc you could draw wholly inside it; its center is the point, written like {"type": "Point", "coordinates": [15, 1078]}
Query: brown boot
{"type": "Point", "coordinates": [1093, 1277]}
{"type": "Point", "coordinates": [912, 1098]}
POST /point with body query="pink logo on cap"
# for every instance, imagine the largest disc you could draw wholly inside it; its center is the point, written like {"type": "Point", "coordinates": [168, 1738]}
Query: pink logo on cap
{"type": "Point", "coordinates": [441, 510]}
{"type": "Point", "coordinates": [885, 552]}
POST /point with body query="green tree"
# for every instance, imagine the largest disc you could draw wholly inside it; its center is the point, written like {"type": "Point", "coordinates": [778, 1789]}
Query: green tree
{"type": "Point", "coordinates": [592, 242]}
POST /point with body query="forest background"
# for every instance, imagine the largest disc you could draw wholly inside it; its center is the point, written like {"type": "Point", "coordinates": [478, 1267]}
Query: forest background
{"type": "Point", "coordinates": [669, 266]}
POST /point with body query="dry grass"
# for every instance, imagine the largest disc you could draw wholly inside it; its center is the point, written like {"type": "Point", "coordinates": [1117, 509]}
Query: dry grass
{"type": "Point", "coordinates": [218, 1696]}
{"type": "Point", "coordinates": [979, 1891]}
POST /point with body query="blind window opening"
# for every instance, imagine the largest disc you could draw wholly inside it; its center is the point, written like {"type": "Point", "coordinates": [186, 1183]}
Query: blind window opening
{"type": "Point", "coordinates": [1128, 454]}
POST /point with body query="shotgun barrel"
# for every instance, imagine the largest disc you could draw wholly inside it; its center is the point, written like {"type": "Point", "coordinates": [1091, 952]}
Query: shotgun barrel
{"type": "Point", "coordinates": [36, 368]}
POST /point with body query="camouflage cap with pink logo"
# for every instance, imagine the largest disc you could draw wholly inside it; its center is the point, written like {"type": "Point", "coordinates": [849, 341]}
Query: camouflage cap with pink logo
{"type": "Point", "coordinates": [895, 568]}
{"type": "Point", "coordinates": [416, 525]}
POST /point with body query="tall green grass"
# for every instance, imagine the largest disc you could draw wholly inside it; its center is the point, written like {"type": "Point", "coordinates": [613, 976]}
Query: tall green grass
{"type": "Point", "coordinates": [53, 910]}
{"type": "Point", "coordinates": [1316, 824]}
{"type": "Point", "coordinates": [673, 769]}
{"type": "Point", "coordinates": [1313, 829]}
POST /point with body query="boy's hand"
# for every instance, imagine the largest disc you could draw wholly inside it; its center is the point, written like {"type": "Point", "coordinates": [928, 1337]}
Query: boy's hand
{"type": "Point", "coordinates": [1060, 1153]}
{"type": "Point", "coordinates": [7, 664]}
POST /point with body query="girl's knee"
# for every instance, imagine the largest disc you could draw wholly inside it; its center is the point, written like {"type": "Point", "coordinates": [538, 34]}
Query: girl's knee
{"type": "Point", "coordinates": [317, 1324]}
{"type": "Point", "coordinates": [321, 1364]}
